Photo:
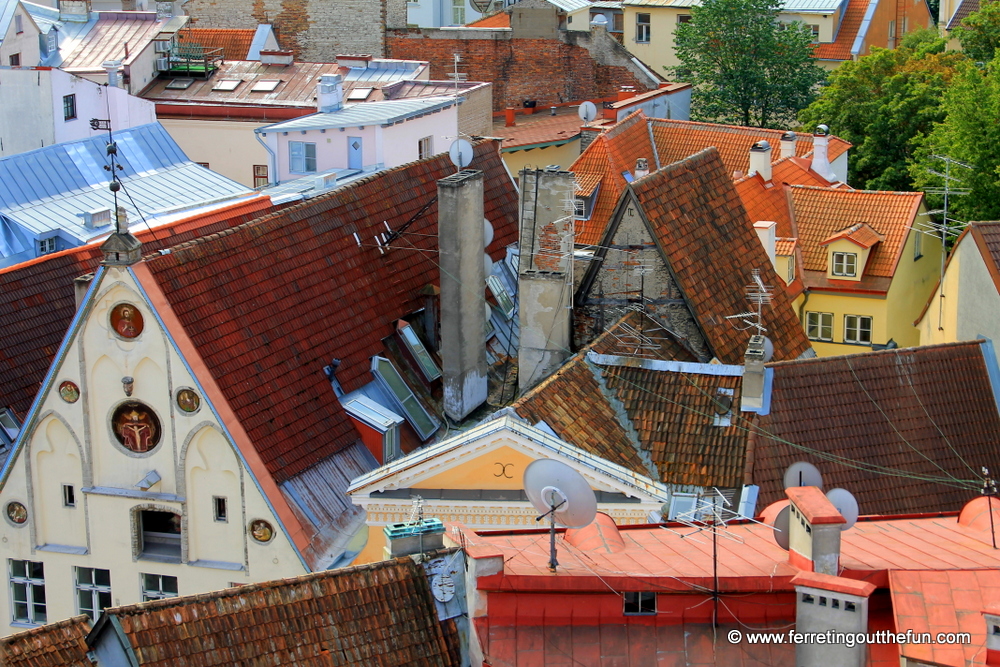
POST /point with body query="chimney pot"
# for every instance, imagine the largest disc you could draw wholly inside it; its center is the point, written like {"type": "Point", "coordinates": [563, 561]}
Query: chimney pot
{"type": "Point", "coordinates": [510, 114]}
{"type": "Point", "coordinates": [329, 93]}
{"type": "Point", "coordinates": [641, 167]}
{"type": "Point", "coordinates": [788, 144]}
{"type": "Point", "coordinates": [821, 160]}
{"type": "Point", "coordinates": [760, 160]}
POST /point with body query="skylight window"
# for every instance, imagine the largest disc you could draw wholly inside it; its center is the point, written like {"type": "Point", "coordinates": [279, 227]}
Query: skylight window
{"type": "Point", "coordinates": [502, 296]}
{"type": "Point", "coordinates": [265, 85]}
{"type": "Point", "coordinates": [179, 84]}
{"type": "Point", "coordinates": [416, 347]}
{"type": "Point", "coordinates": [227, 84]}
{"type": "Point", "coordinates": [359, 94]}
{"type": "Point", "coordinates": [391, 381]}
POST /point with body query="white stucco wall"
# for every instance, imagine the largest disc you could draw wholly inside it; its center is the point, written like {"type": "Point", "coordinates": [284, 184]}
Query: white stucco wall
{"type": "Point", "coordinates": [978, 298]}
{"type": "Point", "coordinates": [24, 43]}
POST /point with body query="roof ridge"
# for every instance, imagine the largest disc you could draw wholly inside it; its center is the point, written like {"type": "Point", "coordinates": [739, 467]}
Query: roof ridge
{"type": "Point", "coordinates": [915, 349]}
{"type": "Point", "coordinates": [852, 190]}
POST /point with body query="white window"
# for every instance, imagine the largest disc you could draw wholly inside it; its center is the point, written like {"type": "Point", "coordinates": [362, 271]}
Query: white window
{"type": "Point", "coordinates": [260, 179]}
{"type": "Point", "coordinates": [791, 270]}
{"type": "Point", "coordinates": [158, 587]}
{"type": "Point", "coordinates": [639, 603]}
{"type": "Point", "coordinates": [45, 246]}
{"type": "Point", "coordinates": [69, 495]}
{"type": "Point", "coordinates": [27, 589]}
{"type": "Point", "coordinates": [858, 329]}
{"type": "Point", "coordinates": [819, 326]}
{"type": "Point", "coordinates": [642, 30]}
{"type": "Point", "coordinates": [814, 30]}
{"type": "Point", "coordinates": [424, 148]}
{"type": "Point", "coordinates": [845, 264]}
{"type": "Point", "coordinates": [302, 157]}
{"type": "Point", "coordinates": [502, 296]}
{"type": "Point", "coordinates": [892, 35]}
{"type": "Point", "coordinates": [389, 379]}
{"type": "Point", "coordinates": [682, 505]}
{"type": "Point", "coordinates": [458, 12]}
{"type": "Point", "coordinates": [93, 591]}
{"type": "Point", "coordinates": [9, 426]}
{"type": "Point", "coordinates": [381, 419]}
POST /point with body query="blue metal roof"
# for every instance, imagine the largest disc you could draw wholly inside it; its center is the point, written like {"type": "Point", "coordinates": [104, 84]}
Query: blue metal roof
{"type": "Point", "coordinates": [367, 113]}
{"type": "Point", "coordinates": [51, 188]}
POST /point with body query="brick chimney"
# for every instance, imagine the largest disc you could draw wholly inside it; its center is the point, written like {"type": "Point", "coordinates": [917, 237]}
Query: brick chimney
{"type": "Point", "coordinates": [814, 527]}
{"type": "Point", "coordinates": [991, 616]}
{"type": "Point", "coordinates": [828, 603]}
{"type": "Point", "coordinates": [329, 93]}
{"type": "Point", "coordinates": [461, 237]}
{"type": "Point", "coordinates": [760, 160]}
{"type": "Point", "coordinates": [788, 144]}
{"type": "Point", "coordinates": [821, 159]}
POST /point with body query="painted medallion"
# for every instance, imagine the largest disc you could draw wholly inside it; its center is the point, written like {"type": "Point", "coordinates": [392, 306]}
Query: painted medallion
{"type": "Point", "coordinates": [126, 320]}
{"type": "Point", "coordinates": [69, 392]}
{"type": "Point", "coordinates": [261, 530]}
{"type": "Point", "coordinates": [17, 512]}
{"type": "Point", "coordinates": [136, 426]}
{"type": "Point", "coordinates": [188, 400]}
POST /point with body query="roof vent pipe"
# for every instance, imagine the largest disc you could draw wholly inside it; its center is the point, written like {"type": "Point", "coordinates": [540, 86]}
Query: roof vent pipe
{"type": "Point", "coordinates": [113, 67]}
{"type": "Point", "coordinates": [330, 93]}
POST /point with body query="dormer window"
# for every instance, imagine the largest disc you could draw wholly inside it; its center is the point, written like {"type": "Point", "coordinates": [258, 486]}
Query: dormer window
{"type": "Point", "coordinates": [845, 264]}
{"type": "Point", "coordinates": [418, 351]}
{"type": "Point", "coordinates": [382, 421]}
{"type": "Point", "coordinates": [391, 382]}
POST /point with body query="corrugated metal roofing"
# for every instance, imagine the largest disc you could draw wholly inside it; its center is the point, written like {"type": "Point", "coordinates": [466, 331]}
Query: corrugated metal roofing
{"type": "Point", "coordinates": [50, 188]}
{"type": "Point", "coordinates": [570, 5]}
{"type": "Point", "coordinates": [369, 113]}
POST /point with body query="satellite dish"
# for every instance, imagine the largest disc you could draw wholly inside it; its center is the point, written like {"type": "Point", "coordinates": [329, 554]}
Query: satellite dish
{"type": "Point", "coordinates": [768, 349]}
{"type": "Point", "coordinates": [599, 19]}
{"type": "Point", "coordinates": [587, 112]}
{"type": "Point", "coordinates": [549, 483]}
{"type": "Point", "coordinates": [846, 504]}
{"type": "Point", "coordinates": [487, 233]}
{"type": "Point", "coordinates": [803, 474]}
{"type": "Point", "coordinates": [780, 526]}
{"type": "Point", "coordinates": [487, 263]}
{"type": "Point", "coordinates": [481, 6]}
{"type": "Point", "coordinates": [460, 153]}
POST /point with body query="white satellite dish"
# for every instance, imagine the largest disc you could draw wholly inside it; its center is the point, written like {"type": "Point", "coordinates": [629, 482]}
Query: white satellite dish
{"type": "Point", "coordinates": [460, 153]}
{"type": "Point", "coordinates": [487, 263]}
{"type": "Point", "coordinates": [780, 526]}
{"type": "Point", "coordinates": [803, 474]}
{"type": "Point", "coordinates": [599, 19]}
{"type": "Point", "coordinates": [487, 233]}
{"type": "Point", "coordinates": [587, 112]}
{"type": "Point", "coordinates": [846, 504]}
{"type": "Point", "coordinates": [561, 494]}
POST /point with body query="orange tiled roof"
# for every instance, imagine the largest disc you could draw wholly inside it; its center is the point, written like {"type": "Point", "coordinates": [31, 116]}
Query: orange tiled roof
{"type": "Point", "coordinates": [376, 614]}
{"type": "Point", "coordinates": [820, 212]}
{"type": "Point", "coordinates": [235, 44]}
{"type": "Point", "coordinates": [987, 236]}
{"type": "Point", "coordinates": [586, 184]}
{"type": "Point", "coordinates": [769, 200]}
{"type": "Point", "coordinates": [860, 234]}
{"type": "Point", "coordinates": [539, 128]}
{"type": "Point", "coordinates": [840, 49]}
{"type": "Point", "coordinates": [498, 20]}
{"type": "Point", "coordinates": [60, 644]}
{"type": "Point", "coordinates": [785, 247]}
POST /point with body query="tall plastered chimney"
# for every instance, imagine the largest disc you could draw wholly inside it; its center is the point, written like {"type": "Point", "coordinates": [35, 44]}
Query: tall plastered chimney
{"type": "Point", "coordinates": [788, 144]}
{"type": "Point", "coordinates": [767, 233]}
{"type": "Point", "coordinates": [545, 289]}
{"type": "Point", "coordinates": [760, 160]}
{"type": "Point", "coordinates": [463, 292]}
{"type": "Point", "coordinates": [752, 394]}
{"type": "Point", "coordinates": [113, 69]}
{"type": "Point", "coordinates": [826, 603]}
{"type": "Point", "coordinates": [814, 528]}
{"type": "Point", "coordinates": [821, 159]}
{"type": "Point", "coordinates": [329, 93]}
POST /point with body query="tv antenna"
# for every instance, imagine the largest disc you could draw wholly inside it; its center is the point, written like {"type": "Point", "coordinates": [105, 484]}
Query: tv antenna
{"type": "Point", "coordinates": [561, 494]}
{"type": "Point", "coordinates": [460, 153]}
{"type": "Point", "coordinates": [587, 112]}
{"type": "Point", "coordinates": [990, 490]}
{"type": "Point", "coordinates": [455, 75]}
{"type": "Point", "coordinates": [759, 295]}
{"type": "Point", "coordinates": [948, 227]}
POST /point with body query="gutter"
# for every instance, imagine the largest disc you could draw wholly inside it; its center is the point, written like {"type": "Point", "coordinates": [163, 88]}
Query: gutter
{"type": "Point", "coordinates": [272, 160]}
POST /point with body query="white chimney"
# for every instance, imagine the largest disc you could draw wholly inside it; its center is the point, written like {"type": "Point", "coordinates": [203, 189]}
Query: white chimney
{"type": "Point", "coordinates": [330, 93]}
{"type": "Point", "coordinates": [752, 395]}
{"type": "Point", "coordinates": [112, 67]}
{"type": "Point", "coordinates": [641, 167]}
{"type": "Point", "coordinates": [821, 160]}
{"type": "Point", "coordinates": [767, 233]}
{"type": "Point", "coordinates": [760, 160]}
{"type": "Point", "coordinates": [788, 144]}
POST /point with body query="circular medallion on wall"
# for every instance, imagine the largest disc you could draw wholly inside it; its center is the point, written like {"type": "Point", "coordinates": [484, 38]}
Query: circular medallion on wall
{"type": "Point", "coordinates": [69, 392]}
{"type": "Point", "coordinates": [126, 320]}
{"type": "Point", "coordinates": [261, 530]}
{"type": "Point", "coordinates": [188, 400]}
{"type": "Point", "coordinates": [16, 513]}
{"type": "Point", "coordinates": [136, 427]}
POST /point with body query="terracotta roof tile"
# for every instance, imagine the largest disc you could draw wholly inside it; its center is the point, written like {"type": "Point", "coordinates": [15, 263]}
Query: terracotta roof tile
{"type": "Point", "coordinates": [785, 247]}
{"type": "Point", "coordinates": [964, 9]}
{"type": "Point", "coordinates": [840, 49]}
{"type": "Point", "coordinates": [381, 614]}
{"type": "Point", "coordinates": [821, 212]}
{"type": "Point", "coordinates": [586, 184]}
{"type": "Point", "coordinates": [916, 411]}
{"type": "Point", "coordinates": [37, 298]}
{"type": "Point", "coordinates": [702, 230]}
{"type": "Point", "coordinates": [60, 644]}
{"type": "Point", "coordinates": [498, 20]}
{"type": "Point", "coordinates": [987, 236]}
{"type": "Point", "coordinates": [304, 260]}
{"type": "Point", "coordinates": [861, 234]}
{"type": "Point", "coordinates": [235, 44]}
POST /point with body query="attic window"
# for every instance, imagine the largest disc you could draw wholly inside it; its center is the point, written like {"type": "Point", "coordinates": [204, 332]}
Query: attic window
{"type": "Point", "coordinates": [381, 419]}
{"type": "Point", "coordinates": [723, 407]}
{"type": "Point", "coordinates": [227, 84]}
{"type": "Point", "coordinates": [583, 207]}
{"type": "Point", "coordinates": [359, 94]}
{"type": "Point", "coordinates": [9, 428]}
{"type": "Point", "coordinates": [417, 350]}
{"type": "Point", "coordinates": [845, 264]}
{"type": "Point", "coordinates": [179, 84]}
{"type": "Point", "coordinates": [502, 296]}
{"type": "Point", "coordinates": [265, 85]}
{"type": "Point", "coordinates": [627, 175]}
{"type": "Point", "coordinates": [389, 379]}
{"type": "Point", "coordinates": [682, 505]}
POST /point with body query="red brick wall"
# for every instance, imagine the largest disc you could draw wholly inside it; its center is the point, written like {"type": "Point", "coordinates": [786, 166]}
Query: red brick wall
{"type": "Point", "coordinates": [546, 70]}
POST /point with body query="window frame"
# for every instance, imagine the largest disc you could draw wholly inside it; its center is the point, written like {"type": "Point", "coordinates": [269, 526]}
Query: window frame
{"type": "Point", "coordinates": [220, 502]}
{"type": "Point", "coordinates": [424, 147]}
{"type": "Point", "coordinates": [14, 59]}
{"type": "Point", "coordinates": [69, 107]}
{"type": "Point", "coordinates": [95, 591]}
{"type": "Point", "coordinates": [149, 594]}
{"type": "Point", "coordinates": [642, 602]}
{"type": "Point", "coordinates": [918, 245]}
{"type": "Point", "coordinates": [458, 12]}
{"type": "Point", "coordinates": [858, 330]}
{"type": "Point", "coordinates": [814, 31]}
{"type": "Point", "coordinates": [69, 495]}
{"type": "Point", "coordinates": [643, 28]}
{"type": "Point", "coordinates": [683, 18]}
{"type": "Point", "coordinates": [174, 542]}
{"type": "Point", "coordinates": [30, 583]}
{"type": "Point", "coordinates": [300, 163]}
{"type": "Point", "coordinates": [841, 259]}
{"type": "Point", "coordinates": [261, 179]}
{"type": "Point", "coordinates": [416, 415]}
{"type": "Point", "coordinates": [18, 24]}
{"type": "Point", "coordinates": [819, 325]}
{"type": "Point", "coordinates": [46, 246]}
{"type": "Point", "coordinates": [425, 362]}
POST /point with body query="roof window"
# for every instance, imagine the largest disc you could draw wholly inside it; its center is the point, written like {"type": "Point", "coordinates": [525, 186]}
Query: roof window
{"type": "Point", "coordinates": [265, 85]}
{"type": "Point", "coordinates": [182, 83]}
{"type": "Point", "coordinates": [390, 381]}
{"type": "Point", "coordinates": [359, 94]}
{"type": "Point", "coordinates": [428, 368]}
{"type": "Point", "coordinates": [227, 84]}
{"type": "Point", "coordinates": [503, 297]}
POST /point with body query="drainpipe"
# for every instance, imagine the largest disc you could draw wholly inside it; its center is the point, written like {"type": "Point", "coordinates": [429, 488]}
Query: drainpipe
{"type": "Point", "coordinates": [272, 160]}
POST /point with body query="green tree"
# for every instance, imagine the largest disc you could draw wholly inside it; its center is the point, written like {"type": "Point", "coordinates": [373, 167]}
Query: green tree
{"type": "Point", "coordinates": [970, 133]}
{"type": "Point", "coordinates": [746, 68]}
{"type": "Point", "coordinates": [884, 104]}
{"type": "Point", "coordinates": [979, 32]}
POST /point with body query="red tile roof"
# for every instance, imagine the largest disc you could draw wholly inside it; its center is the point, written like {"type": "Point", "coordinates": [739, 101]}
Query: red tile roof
{"type": "Point", "coordinates": [923, 412]}
{"type": "Point", "coordinates": [860, 234]}
{"type": "Point", "coordinates": [60, 644]}
{"type": "Point", "coordinates": [784, 247]}
{"type": "Point", "coordinates": [37, 298]}
{"type": "Point", "coordinates": [987, 235]}
{"type": "Point", "coordinates": [822, 212]}
{"type": "Point", "coordinates": [378, 615]}
{"type": "Point", "coordinates": [702, 230]}
{"type": "Point", "coordinates": [227, 288]}
{"type": "Point", "coordinates": [498, 20]}
{"type": "Point", "coordinates": [235, 44]}
{"type": "Point", "coordinates": [949, 601]}
{"type": "Point", "coordinates": [840, 49]}
{"type": "Point", "coordinates": [539, 128]}
{"type": "Point", "coordinates": [965, 8]}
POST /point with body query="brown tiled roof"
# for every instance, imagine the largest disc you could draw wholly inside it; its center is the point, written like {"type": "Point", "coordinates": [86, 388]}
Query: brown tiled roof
{"type": "Point", "coordinates": [378, 615]}
{"type": "Point", "coordinates": [37, 298]}
{"type": "Point", "coordinates": [964, 9]}
{"type": "Point", "coordinates": [340, 299]}
{"type": "Point", "coordinates": [235, 44]}
{"type": "Point", "coordinates": [702, 230]}
{"type": "Point", "coordinates": [60, 644]}
{"type": "Point", "coordinates": [820, 212]}
{"type": "Point", "coordinates": [927, 411]}
{"type": "Point", "coordinates": [987, 235]}
{"type": "Point", "coordinates": [840, 49]}
{"type": "Point", "coordinates": [498, 20]}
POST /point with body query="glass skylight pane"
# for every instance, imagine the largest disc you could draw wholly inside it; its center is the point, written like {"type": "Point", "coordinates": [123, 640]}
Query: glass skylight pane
{"type": "Point", "coordinates": [419, 419]}
{"type": "Point", "coordinates": [265, 85]}
{"type": "Point", "coordinates": [359, 94]}
{"type": "Point", "coordinates": [179, 84]}
{"type": "Point", "coordinates": [420, 353]}
{"type": "Point", "coordinates": [502, 296]}
{"type": "Point", "coordinates": [227, 84]}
